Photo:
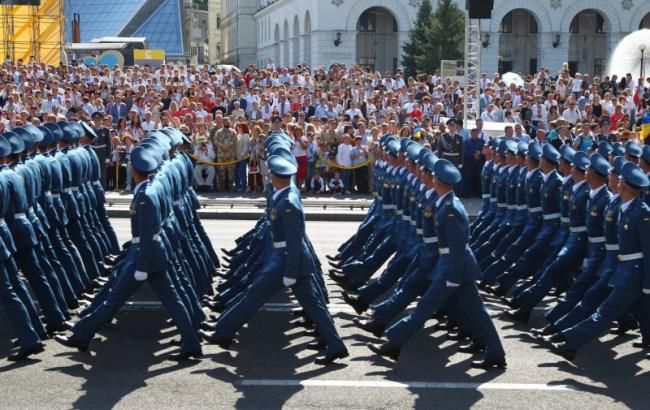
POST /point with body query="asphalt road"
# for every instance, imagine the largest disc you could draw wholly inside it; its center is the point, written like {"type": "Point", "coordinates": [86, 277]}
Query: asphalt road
{"type": "Point", "coordinates": [269, 368]}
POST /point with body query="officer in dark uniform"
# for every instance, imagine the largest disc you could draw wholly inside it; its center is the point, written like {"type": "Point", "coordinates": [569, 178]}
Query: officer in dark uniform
{"type": "Point", "coordinates": [101, 145]}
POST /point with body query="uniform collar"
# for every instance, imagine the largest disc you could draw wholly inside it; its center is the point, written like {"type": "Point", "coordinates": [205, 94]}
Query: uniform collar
{"type": "Point", "coordinates": [577, 185]}
{"type": "Point", "coordinates": [137, 187]}
{"type": "Point", "coordinates": [626, 205]}
{"type": "Point", "coordinates": [548, 175]}
{"type": "Point", "coordinates": [277, 193]}
{"type": "Point", "coordinates": [429, 193]}
{"type": "Point", "coordinates": [442, 198]}
{"type": "Point", "coordinates": [594, 192]}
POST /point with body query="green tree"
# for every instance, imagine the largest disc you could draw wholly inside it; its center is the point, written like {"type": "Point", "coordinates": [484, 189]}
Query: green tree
{"type": "Point", "coordinates": [418, 44]}
{"type": "Point", "coordinates": [447, 33]}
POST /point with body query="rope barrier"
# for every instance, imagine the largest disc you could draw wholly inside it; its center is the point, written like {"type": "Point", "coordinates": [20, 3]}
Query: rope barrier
{"type": "Point", "coordinates": [217, 164]}
{"type": "Point", "coordinates": [335, 165]}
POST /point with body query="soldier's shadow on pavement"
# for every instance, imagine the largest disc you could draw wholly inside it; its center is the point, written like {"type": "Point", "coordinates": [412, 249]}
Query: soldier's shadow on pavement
{"type": "Point", "coordinates": [267, 351]}
{"type": "Point", "coordinates": [618, 375]}
{"type": "Point", "coordinates": [120, 363]}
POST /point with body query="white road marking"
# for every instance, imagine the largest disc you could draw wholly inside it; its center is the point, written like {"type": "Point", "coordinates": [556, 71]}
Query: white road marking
{"type": "Point", "coordinates": [404, 385]}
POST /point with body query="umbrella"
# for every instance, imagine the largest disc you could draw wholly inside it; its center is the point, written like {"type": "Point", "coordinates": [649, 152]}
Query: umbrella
{"type": "Point", "coordinates": [512, 78]}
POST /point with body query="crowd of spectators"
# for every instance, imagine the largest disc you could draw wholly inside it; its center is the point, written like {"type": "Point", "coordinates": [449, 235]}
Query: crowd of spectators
{"type": "Point", "coordinates": [335, 114]}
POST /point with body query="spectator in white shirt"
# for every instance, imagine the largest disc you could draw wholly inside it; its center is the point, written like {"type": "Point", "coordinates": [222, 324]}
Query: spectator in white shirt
{"type": "Point", "coordinates": [204, 174]}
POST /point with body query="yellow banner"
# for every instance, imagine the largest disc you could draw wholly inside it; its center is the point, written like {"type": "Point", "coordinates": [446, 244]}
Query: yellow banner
{"type": "Point", "coordinates": [148, 54]}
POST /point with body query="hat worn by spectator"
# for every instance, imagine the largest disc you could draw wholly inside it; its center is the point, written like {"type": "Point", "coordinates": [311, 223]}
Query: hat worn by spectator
{"type": "Point", "coordinates": [446, 172]}
{"type": "Point", "coordinates": [634, 177]}
{"type": "Point", "coordinates": [551, 154]}
{"type": "Point", "coordinates": [281, 167]}
{"type": "Point", "coordinates": [600, 165]}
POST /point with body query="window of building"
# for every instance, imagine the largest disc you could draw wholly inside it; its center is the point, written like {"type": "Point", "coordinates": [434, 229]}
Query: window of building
{"type": "Point", "coordinates": [368, 22]}
{"type": "Point", "coordinates": [218, 22]}
{"type": "Point", "coordinates": [601, 25]}
{"type": "Point", "coordinates": [533, 29]}
{"type": "Point", "coordinates": [575, 25]}
{"type": "Point", "coordinates": [506, 24]}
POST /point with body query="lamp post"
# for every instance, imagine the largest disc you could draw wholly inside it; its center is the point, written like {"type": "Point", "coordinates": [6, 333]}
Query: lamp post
{"type": "Point", "coordinates": [642, 49]}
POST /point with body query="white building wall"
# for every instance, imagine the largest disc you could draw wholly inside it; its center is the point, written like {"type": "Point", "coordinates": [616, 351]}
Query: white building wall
{"type": "Point", "coordinates": [329, 17]}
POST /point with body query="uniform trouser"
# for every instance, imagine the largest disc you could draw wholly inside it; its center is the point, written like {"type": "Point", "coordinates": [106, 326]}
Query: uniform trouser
{"type": "Point", "coordinates": [492, 242]}
{"type": "Point", "coordinates": [20, 288]}
{"type": "Point", "coordinates": [114, 245]}
{"type": "Point", "coordinates": [205, 239]}
{"type": "Point", "coordinates": [568, 260]}
{"type": "Point", "coordinates": [356, 243]}
{"type": "Point", "coordinates": [29, 265]}
{"type": "Point", "coordinates": [67, 261]}
{"type": "Point", "coordinates": [358, 273]}
{"type": "Point", "coordinates": [268, 283]}
{"type": "Point", "coordinates": [502, 246]}
{"type": "Point", "coordinates": [507, 253]}
{"type": "Point", "coordinates": [584, 281]}
{"type": "Point", "coordinates": [94, 237]}
{"type": "Point", "coordinates": [397, 267]}
{"type": "Point", "coordinates": [208, 171]}
{"type": "Point", "coordinates": [78, 237]}
{"type": "Point", "coordinates": [225, 177]}
{"type": "Point", "coordinates": [413, 285]}
{"type": "Point", "coordinates": [497, 222]}
{"type": "Point", "coordinates": [482, 224]}
{"type": "Point", "coordinates": [63, 235]}
{"type": "Point", "coordinates": [537, 251]}
{"type": "Point", "coordinates": [617, 303]}
{"type": "Point", "coordinates": [58, 278]}
{"type": "Point", "coordinates": [16, 312]}
{"type": "Point", "coordinates": [473, 310]}
{"type": "Point", "coordinates": [122, 288]}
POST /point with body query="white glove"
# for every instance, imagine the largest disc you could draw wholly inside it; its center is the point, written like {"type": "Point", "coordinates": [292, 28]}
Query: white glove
{"type": "Point", "coordinates": [108, 161]}
{"type": "Point", "coordinates": [288, 281]}
{"type": "Point", "coordinates": [460, 166]}
{"type": "Point", "coordinates": [646, 291]}
{"type": "Point", "coordinates": [140, 276]}
{"type": "Point", "coordinates": [452, 284]}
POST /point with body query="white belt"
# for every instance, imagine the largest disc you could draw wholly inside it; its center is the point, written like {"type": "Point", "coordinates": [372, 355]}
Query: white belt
{"type": "Point", "coordinates": [493, 199]}
{"type": "Point", "coordinates": [511, 207]}
{"type": "Point", "coordinates": [433, 239]}
{"type": "Point", "coordinates": [485, 196]}
{"type": "Point", "coordinates": [414, 223]}
{"type": "Point", "coordinates": [135, 240]}
{"type": "Point", "coordinates": [443, 251]}
{"type": "Point", "coordinates": [279, 245]}
{"type": "Point", "coordinates": [598, 239]}
{"type": "Point", "coordinates": [550, 217]}
{"type": "Point", "coordinates": [577, 229]}
{"type": "Point", "coordinates": [565, 220]}
{"type": "Point", "coordinates": [67, 190]}
{"type": "Point", "coordinates": [451, 154]}
{"type": "Point", "coordinates": [2, 221]}
{"type": "Point", "coordinates": [176, 203]}
{"type": "Point", "coordinates": [630, 257]}
{"type": "Point", "coordinates": [74, 189]}
{"type": "Point", "coordinates": [609, 247]}
{"type": "Point", "coordinates": [399, 212]}
{"type": "Point", "coordinates": [419, 231]}
{"type": "Point", "coordinates": [48, 193]}
{"type": "Point", "coordinates": [56, 196]}
{"type": "Point", "coordinates": [388, 207]}
{"type": "Point", "coordinates": [20, 216]}
{"type": "Point", "coordinates": [97, 183]}
{"type": "Point", "coordinates": [502, 205]}
{"type": "Point", "coordinates": [98, 146]}
{"type": "Point", "coordinates": [535, 209]}
{"type": "Point", "coordinates": [521, 207]}
{"type": "Point", "coordinates": [30, 210]}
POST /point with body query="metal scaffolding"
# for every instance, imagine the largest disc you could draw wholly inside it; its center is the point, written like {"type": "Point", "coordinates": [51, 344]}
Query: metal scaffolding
{"type": "Point", "coordinates": [32, 32]}
{"type": "Point", "coordinates": [472, 90]}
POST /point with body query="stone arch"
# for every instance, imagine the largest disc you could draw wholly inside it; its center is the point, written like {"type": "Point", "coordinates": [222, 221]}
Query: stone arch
{"type": "Point", "coordinates": [276, 45]}
{"type": "Point", "coordinates": [295, 42]}
{"type": "Point", "coordinates": [640, 13]}
{"type": "Point", "coordinates": [306, 53]}
{"type": "Point", "coordinates": [396, 8]}
{"type": "Point", "coordinates": [285, 44]}
{"type": "Point", "coordinates": [538, 11]}
{"type": "Point", "coordinates": [606, 9]}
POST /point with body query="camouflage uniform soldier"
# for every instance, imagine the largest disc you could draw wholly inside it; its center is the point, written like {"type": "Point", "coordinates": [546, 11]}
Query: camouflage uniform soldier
{"type": "Point", "coordinates": [224, 141]}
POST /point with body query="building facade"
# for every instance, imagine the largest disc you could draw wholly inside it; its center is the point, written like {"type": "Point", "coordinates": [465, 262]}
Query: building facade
{"type": "Point", "coordinates": [522, 36]}
{"type": "Point", "coordinates": [196, 31]}
{"type": "Point", "coordinates": [238, 32]}
{"type": "Point", "coordinates": [214, 31]}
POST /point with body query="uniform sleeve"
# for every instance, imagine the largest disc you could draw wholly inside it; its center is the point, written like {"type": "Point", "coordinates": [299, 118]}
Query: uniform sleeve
{"type": "Point", "coordinates": [147, 227]}
{"type": "Point", "coordinates": [644, 236]}
{"type": "Point", "coordinates": [452, 227]}
{"type": "Point", "coordinates": [294, 234]}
